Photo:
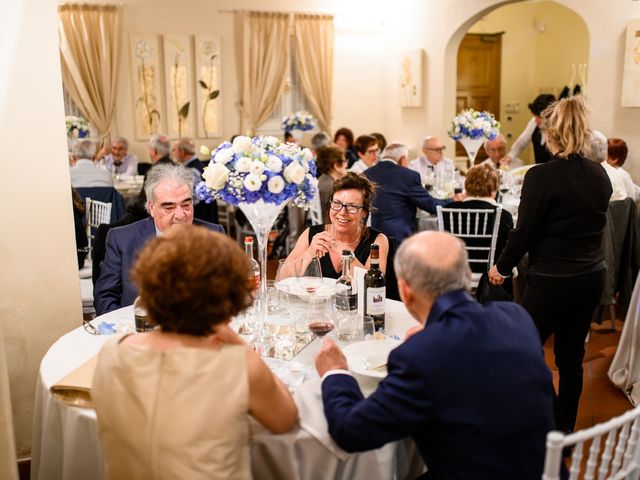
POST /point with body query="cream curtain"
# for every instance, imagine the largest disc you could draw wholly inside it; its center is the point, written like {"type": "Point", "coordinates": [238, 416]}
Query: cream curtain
{"type": "Point", "coordinates": [314, 63]}
{"type": "Point", "coordinates": [89, 50]}
{"type": "Point", "coordinates": [263, 55]}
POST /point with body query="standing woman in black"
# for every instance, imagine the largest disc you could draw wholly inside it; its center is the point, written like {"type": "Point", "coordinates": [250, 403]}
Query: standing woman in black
{"type": "Point", "coordinates": [560, 222]}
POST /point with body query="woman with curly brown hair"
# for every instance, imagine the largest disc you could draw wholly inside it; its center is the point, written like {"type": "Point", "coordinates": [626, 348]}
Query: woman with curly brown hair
{"type": "Point", "coordinates": [177, 399]}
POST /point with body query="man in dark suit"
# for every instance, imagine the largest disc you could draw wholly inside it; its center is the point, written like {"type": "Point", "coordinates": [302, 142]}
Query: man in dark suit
{"type": "Point", "coordinates": [469, 385]}
{"type": "Point", "coordinates": [398, 194]}
{"type": "Point", "coordinates": [170, 203]}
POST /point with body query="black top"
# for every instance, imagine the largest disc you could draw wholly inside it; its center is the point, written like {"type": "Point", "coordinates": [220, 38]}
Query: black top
{"type": "Point", "coordinates": [361, 252]}
{"type": "Point", "coordinates": [561, 218]}
{"type": "Point", "coordinates": [540, 152]}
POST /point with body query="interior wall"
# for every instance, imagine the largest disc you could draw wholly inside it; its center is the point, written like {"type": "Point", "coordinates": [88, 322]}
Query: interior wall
{"type": "Point", "coordinates": [40, 298]}
{"type": "Point", "coordinates": [540, 43]}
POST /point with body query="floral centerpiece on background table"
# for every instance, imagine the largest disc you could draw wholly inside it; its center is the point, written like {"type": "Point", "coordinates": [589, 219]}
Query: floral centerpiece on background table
{"type": "Point", "coordinates": [77, 127]}
{"type": "Point", "coordinates": [298, 123]}
{"type": "Point", "coordinates": [260, 175]}
{"type": "Point", "coordinates": [471, 128]}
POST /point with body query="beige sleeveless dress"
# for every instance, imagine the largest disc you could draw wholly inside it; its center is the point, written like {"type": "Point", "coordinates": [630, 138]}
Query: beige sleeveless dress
{"type": "Point", "coordinates": [172, 414]}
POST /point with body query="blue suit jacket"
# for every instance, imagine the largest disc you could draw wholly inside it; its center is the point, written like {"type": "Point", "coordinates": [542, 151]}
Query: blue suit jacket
{"type": "Point", "coordinates": [399, 194]}
{"type": "Point", "coordinates": [114, 288]}
{"type": "Point", "coordinates": [472, 389]}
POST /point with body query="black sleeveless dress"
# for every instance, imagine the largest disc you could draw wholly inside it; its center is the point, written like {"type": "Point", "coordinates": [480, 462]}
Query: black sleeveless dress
{"type": "Point", "coordinates": [361, 252]}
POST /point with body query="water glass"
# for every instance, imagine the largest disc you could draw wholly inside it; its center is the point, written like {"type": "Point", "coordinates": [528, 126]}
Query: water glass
{"type": "Point", "coordinates": [273, 296]}
{"type": "Point", "coordinates": [368, 327]}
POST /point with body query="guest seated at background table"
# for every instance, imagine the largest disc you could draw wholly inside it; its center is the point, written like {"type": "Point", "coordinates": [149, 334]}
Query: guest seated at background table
{"type": "Point", "coordinates": [399, 194]}
{"type": "Point", "coordinates": [116, 159]}
{"type": "Point", "coordinates": [382, 141]}
{"type": "Point", "coordinates": [496, 150]}
{"type": "Point", "coordinates": [616, 156]}
{"type": "Point", "coordinates": [320, 140]}
{"type": "Point", "coordinates": [176, 401]}
{"type": "Point", "coordinates": [344, 139]}
{"type": "Point", "coordinates": [433, 163]}
{"type": "Point", "coordinates": [168, 188]}
{"type": "Point", "coordinates": [598, 154]}
{"type": "Point", "coordinates": [367, 149]}
{"type": "Point", "coordinates": [84, 171]}
{"type": "Point", "coordinates": [470, 385]}
{"type": "Point", "coordinates": [331, 166]}
{"type": "Point", "coordinates": [481, 184]}
{"type": "Point", "coordinates": [349, 208]}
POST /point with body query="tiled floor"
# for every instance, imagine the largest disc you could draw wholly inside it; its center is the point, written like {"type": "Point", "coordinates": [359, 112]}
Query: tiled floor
{"type": "Point", "coordinates": [600, 400]}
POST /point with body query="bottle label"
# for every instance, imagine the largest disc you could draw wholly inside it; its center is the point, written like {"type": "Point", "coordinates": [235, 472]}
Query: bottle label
{"type": "Point", "coordinates": [375, 300]}
{"type": "Point", "coordinates": [347, 301]}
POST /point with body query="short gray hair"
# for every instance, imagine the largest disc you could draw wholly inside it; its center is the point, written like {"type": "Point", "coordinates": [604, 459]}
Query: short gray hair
{"type": "Point", "coordinates": [186, 145]}
{"type": "Point", "coordinates": [598, 147]}
{"type": "Point", "coordinates": [319, 140]}
{"type": "Point", "coordinates": [427, 276]}
{"type": "Point", "coordinates": [84, 149]}
{"type": "Point", "coordinates": [500, 138]}
{"type": "Point", "coordinates": [160, 143]}
{"type": "Point", "coordinates": [121, 140]}
{"type": "Point", "coordinates": [176, 174]}
{"type": "Point", "coordinates": [395, 151]}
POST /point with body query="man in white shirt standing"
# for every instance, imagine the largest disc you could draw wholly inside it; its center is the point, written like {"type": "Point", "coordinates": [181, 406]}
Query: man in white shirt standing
{"type": "Point", "coordinates": [119, 161]}
{"type": "Point", "coordinates": [367, 149]}
{"type": "Point", "coordinates": [84, 172]}
{"type": "Point", "coordinates": [433, 163]}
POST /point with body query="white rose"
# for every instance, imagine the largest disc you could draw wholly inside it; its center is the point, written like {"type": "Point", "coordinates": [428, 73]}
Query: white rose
{"type": "Point", "coordinates": [241, 144]}
{"type": "Point", "coordinates": [275, 184]}
{"type": "Point", "coordinates": [204, 150]}
{"type": "Point", "coordinates": [223, 156]}
{"type": "Point", "coordinates": [216, 176]}
{"type": "Point", "coordinates": [252, 182]}
{"type": "Point", "coordinates": [243, 164]}
{"type": "Point", "coordinates": [256, 167]}
{"type": "Point", "coordinates": [294, 173]}
{"type": "Point", "coordinates": [274, 163]}
{"type": "Point", "coordinates": [307, 154]}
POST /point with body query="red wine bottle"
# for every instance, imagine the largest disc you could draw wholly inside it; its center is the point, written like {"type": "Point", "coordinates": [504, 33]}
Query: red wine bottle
{"type": "Point", "coordinates": [375, 290]}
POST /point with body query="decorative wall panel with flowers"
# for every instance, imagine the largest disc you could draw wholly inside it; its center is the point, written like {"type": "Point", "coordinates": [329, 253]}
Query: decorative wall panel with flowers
{"type": "Point", "coordinates": [179, 85]}
{"type": "Point", "coordinates": [208, 79]}
{"type": "Point", "coordinates": [147, 94]}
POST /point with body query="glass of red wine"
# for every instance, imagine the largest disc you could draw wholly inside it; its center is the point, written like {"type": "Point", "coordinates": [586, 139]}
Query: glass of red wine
{"type": "Point", "coordinates": [309, 275]}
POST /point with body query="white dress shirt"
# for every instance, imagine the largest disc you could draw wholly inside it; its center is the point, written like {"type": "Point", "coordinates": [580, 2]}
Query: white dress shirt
{"type": "Point", "coordinates": [617, 183]}
{"type": "Point", "coordinates": [358, 167]}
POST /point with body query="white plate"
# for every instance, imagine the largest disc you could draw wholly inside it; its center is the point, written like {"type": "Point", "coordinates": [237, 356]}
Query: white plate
{"type": "Point", "coordinates": [291, 285]}
{"type": "Point", "coordinates": [370, 352]}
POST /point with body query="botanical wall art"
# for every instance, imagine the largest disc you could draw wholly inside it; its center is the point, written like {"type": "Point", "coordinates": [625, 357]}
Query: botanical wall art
{"type": "Point", "coordinates": [178, 82]}
{"type": "Point", "coordinates": [145, 73]}
{"type": "Point", "coordinates": [631, 73]}
{"type": "Point", "coordinates": [208, 79]}
{"type": "Point", "coordinates": [411, 78]}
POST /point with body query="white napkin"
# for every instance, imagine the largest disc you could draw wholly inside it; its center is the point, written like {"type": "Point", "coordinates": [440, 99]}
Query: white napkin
{"type": "Point", "coordinates": [308, 398]}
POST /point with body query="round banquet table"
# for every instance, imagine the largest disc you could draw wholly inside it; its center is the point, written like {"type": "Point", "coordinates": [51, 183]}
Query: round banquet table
{"type": "Point", "coordinates": [65, 438]}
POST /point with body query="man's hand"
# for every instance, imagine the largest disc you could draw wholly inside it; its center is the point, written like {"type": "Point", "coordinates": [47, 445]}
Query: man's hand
{"type": "Point", "coordinates": [458, 197]}
{"type": "Point", "coordinates": [494, 277]}
{"type": "Point", "coordinates": [330, 357]}
{"type": "Point", "coordinates": [505, 161]}
{"type": "Point", "coordinates": [412, 331]}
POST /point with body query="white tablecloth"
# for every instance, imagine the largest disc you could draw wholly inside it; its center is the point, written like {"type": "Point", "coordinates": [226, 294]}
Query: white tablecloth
{"type": "Point", "coordinates": [65, 439]}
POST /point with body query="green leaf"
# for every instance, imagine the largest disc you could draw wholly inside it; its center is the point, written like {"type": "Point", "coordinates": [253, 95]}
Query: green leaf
{"type": "Point", "coordinates": [213, 57]}
{"type": "Point", "coordinates": [184, 110]}
{"type": "Point", "coordinates": [203, 85]}
{"type": "Point", "coordinates": [214, 94]}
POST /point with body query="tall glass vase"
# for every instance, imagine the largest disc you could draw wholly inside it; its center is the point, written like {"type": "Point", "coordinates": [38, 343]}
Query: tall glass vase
{"type": "Point", "coordinates": [261, 215]}
{"type": "Point", "coordinates": [472, 146]}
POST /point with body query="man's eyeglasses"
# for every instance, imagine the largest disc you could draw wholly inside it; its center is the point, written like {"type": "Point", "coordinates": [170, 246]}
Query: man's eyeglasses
{"type": "Point", "coordinates": [349, 207]}
{"type": "Point", "coordinates": [439, 149]}
{"type": "Point", "coordinates": [373, 150]}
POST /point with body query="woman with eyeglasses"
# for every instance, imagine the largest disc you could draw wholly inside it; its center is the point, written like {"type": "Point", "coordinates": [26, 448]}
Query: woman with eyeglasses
{"type": "Point", "coordinates": [349, 209]}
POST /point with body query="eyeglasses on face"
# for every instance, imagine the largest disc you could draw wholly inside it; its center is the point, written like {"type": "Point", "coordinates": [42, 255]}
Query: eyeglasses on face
{"type": "Point", "coordinates": [373, 150]}
{"type": "Point", "coordinates": [351, 208]}
{"type": "Point", "coordinates": [438, 149]}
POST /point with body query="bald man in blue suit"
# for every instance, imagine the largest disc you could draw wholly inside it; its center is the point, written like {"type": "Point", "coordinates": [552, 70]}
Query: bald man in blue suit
{"type": "Point", "coordinates": [470, 385]}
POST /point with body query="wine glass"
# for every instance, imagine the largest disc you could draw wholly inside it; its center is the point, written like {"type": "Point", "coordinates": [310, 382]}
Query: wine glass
{"type": "Point", "coordinates": [309, 275]}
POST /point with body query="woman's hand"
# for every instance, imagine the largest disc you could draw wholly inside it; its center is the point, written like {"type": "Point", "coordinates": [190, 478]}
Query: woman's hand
{"type": "Point", "coordinates": [494, 277]}
{"type": "Point", "coordinates": [320, 245]}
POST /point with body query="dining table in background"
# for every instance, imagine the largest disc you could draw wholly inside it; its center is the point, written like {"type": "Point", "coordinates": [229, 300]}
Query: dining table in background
{"type": "Point", "coordinates": [65, 438]}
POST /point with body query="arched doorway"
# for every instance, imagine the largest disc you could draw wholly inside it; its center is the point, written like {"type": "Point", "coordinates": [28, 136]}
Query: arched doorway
{"type": "Point", "coordinates": [540, 44]}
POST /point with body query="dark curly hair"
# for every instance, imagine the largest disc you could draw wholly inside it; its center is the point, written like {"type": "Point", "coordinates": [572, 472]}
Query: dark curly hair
{"type": "Point", "coordinates": [482, 180]}
{"type": "Point", "coordinates": [346, 133]}
{"type": "Point", "coordinates": [192, 279]}
{"type": "Point", "coordinates": [354, 181]}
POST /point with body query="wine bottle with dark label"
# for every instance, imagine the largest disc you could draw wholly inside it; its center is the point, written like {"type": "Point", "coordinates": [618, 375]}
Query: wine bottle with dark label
{"type": "Point", "coordinates": [375, 290]}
